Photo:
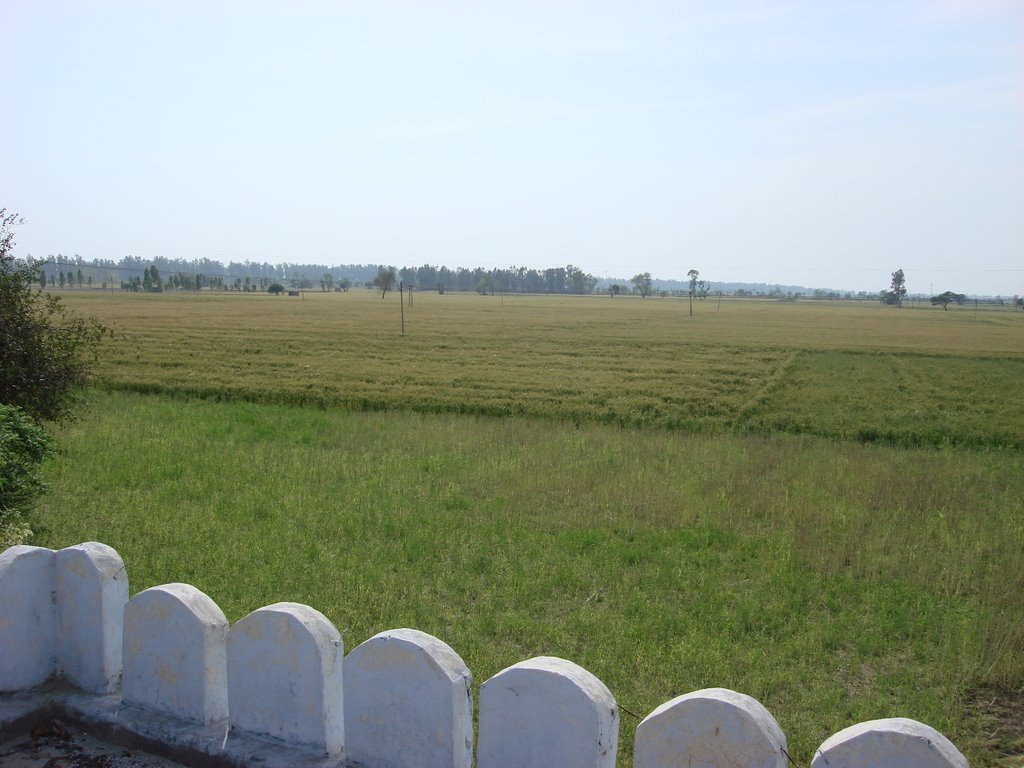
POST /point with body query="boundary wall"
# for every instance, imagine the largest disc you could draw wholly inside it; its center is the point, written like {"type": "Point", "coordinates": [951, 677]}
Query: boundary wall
{"type": "Point", "coordinates": [277, 689]}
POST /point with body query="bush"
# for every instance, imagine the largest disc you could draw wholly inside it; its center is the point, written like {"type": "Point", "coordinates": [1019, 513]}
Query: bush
{"type": "Point", "coordinates": [23, 446]}
{"type": "Point", "coordinates": [45, 352]}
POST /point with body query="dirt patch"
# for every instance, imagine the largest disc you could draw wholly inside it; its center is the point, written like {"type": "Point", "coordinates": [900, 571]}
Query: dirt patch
{"type": "Point", "coordinates": [1002, 712]}
{"type": "Point", "coordinates": [56, 744]}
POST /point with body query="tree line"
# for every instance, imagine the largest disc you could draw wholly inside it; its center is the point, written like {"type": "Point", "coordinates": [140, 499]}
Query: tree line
{"type": "Point", "coordinates": [160, 274]}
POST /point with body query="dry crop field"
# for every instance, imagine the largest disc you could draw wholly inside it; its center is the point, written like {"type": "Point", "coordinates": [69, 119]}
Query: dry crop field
{"type": "Point", "coordinates": [866, 372]}
{"type": "Point", "coordinates": [819, 505]}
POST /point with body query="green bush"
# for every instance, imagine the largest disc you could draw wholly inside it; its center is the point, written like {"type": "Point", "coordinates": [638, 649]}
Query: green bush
{"type": "Point", "coordinates": [45, 352]}
{"type": "Point", "coordinates": [23, 446]}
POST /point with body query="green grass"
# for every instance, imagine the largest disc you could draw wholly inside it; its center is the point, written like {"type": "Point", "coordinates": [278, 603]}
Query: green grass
{"type": "Point", "coordinates": [901, 398]}
{"type": "Point", "coordinates": [836, 582]}
{"type": "Point", "coordinates": [816, 504]}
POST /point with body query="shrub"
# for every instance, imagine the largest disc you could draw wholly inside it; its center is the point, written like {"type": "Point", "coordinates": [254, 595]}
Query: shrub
{"type": "Point", "coordinates": [45, 352]}
{"type": "Point", "coordinates": [23, 446]}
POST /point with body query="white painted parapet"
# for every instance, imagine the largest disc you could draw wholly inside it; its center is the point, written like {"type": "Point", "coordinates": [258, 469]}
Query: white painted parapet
{"type": "Point", "coordinates": [28, 637]}
{"type": "Point", "coordinates": [92, 589]}
{"type": "Point", "coordinates": [408, 703]}
{"type": "Point", "coordinates": [285, 666]}
{"type": "Point", "coordinates": [174, 653]}
{"type": "Point", "coordinates": [547, 713]}
{"type": "Point", "coordinates": [709, 728]}
{"type": "Point", "coordinates": [402, 699]}
{"type": "Point", "coordinates": [891, 743]}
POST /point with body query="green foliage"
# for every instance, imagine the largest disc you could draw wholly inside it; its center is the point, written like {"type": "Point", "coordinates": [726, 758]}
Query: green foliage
{"type": "Point", "coordinates": [23, 446]}
{"type": "Point", "coordinates": [45, 352]}
{"type": "Point", "coordinates": [275, 289]}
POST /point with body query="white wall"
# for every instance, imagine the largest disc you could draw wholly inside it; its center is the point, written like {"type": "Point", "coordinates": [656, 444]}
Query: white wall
{"type": "Point", "coordinates": [402, 699]}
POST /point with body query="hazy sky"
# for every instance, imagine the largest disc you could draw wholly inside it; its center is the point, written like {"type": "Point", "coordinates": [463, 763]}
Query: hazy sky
{"type": "Point", "coordinates": [820, 143]}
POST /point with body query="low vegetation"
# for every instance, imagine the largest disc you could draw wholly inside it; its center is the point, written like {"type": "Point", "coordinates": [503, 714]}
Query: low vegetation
{"type": "Point", "coordinates": [818, 505]}
{"type": "Point", "coordinates": [45, 356]}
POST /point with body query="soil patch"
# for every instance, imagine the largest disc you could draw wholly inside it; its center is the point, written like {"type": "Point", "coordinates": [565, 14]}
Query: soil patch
{"type": "Point", "coordinates": [56, 744]}
{"type": "Point", "coordinates": [1002, 712]}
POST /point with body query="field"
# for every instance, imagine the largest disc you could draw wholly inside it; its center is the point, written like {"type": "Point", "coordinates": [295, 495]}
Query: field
{"type": "Point", "coordinates": [906, 377]}
{"type": "Point", "coordinates": [818, 505]}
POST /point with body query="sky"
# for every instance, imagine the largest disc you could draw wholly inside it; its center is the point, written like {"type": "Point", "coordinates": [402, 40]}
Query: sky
{"type": "Point", "coordinates": [823, 144]}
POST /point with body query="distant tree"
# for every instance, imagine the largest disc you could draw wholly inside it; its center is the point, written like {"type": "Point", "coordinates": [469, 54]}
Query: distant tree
{"type": "Point", "coordinates": [275, 289]}
{"type": "Point", "coordinates": [642, 284]}
{"type": "Point", "coordinates": [897, 289]}
{"type": "Point", "coordinates": [60, 277]}
{"type": "Point", "coordinates": [946, 298]}
{"type": "Point", "coordinates": [344, 284]}
{"type": "Point", "coordinates": [45, 351]}
{"type": "Point", "coordinates": [384, 281]}
{"type": "Point", "coordinates": [614, 289]}
{"type": "Point", "coordinates": [693, 274]}
{"type": "Point", "coordinates": [486, 285]}
{"type": "Point", "coordinates": [42, 278]}
{"type": "Point", "coordinates": [576, 279]}
{"type": "Point", "coordinates": [328, 282]}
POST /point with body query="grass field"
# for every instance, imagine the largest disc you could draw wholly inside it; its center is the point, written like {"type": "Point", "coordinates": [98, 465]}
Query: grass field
{"type": "Point", "coordinates": [818, 505]}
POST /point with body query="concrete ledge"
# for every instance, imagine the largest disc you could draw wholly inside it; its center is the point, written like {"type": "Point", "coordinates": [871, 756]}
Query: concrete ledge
{"type": "Point", "coordinates": [107, 718]}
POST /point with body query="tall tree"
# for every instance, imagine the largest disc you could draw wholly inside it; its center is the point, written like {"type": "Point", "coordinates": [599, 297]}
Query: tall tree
{"type": "Point", "coordinates": [897, 289]}
{"type": "Point", "coordinates": [693, 274]}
